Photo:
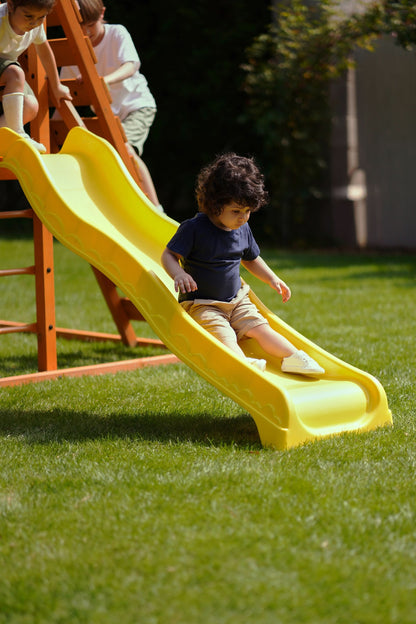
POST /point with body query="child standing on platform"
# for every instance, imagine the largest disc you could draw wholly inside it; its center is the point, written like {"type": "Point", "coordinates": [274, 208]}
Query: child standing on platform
{"type": "Point", "coordinates": [204, 257]}
{"type": "Point", "coordinates": [119, 65]}
{"type": "Point", "coordinates": [21, 24]}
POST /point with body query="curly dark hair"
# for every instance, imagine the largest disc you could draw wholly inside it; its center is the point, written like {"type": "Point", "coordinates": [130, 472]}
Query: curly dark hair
{"type": "Point", "coordinates": [230, 178]}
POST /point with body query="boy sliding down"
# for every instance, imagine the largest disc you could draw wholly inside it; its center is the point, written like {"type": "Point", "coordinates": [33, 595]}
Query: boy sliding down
{"type": "Point", "coordinates": [204, 256]}
{"type": "Point", "coordinates": [21, 23]}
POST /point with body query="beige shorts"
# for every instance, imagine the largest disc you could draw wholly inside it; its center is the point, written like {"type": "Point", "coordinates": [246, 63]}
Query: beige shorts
{"type": "Point", "coordinates": [227, 321]}
{"type": "Point", "coordinates": [137, 125]}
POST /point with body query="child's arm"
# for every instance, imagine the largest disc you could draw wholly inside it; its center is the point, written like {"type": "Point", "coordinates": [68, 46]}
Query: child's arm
{"type": "Point", "coordinates": [182, 280]}
{"type": "Point", "coordinates": [263, 272]}
{"type": "Point", "coordinates": [121, 73]}
{"type": "Point", "coordinates": [60, 91]}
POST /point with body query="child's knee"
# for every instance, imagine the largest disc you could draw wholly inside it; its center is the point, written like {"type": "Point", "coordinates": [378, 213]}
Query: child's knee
{"type": "Point", "coordinates": [14, 76]}
{"type": "Point", "coordinates": [258, 329]}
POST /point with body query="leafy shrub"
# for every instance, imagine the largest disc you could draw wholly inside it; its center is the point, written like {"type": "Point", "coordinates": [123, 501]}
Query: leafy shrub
{"type": "Point", "coordinates": [289, 70]}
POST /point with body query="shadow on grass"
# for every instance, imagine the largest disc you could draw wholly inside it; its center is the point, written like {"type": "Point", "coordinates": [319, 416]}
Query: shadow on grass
{"type": "Point", "coordinates": [36, 427]}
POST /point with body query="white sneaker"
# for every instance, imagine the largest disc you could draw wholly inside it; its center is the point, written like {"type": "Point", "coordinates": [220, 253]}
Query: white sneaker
{"type": "Point", "coordinates": [260, 364]}
{"type": "Point", "coordinates": [302, 364]}
{"type": "Point", "coordinates": [38, 146]}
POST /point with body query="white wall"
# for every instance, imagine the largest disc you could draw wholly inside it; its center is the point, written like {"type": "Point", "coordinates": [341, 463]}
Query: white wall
{"type": "Point", "coordinates": [386, 126]}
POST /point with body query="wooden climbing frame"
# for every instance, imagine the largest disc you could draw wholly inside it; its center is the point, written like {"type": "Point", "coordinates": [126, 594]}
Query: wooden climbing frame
{"type": "Point", "coordinates": [72, 47]}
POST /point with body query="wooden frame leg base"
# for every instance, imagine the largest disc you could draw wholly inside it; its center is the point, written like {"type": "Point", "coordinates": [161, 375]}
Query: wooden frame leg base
{"type": "Point", "coordinates": [94, 369]}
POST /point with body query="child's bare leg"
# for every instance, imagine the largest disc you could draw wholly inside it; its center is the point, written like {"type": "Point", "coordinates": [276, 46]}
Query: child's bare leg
{"type": "Point", "coordinates": [13, 111]}
{"type": "Point", "coordinates": [13, 106]}
{"type": "Point", "coordinates": [234, 346]}
{"type": "Point", "coordinates": [13, 79]}
{"type": "Point", "coordinates": [226, 337]}
{"type": "Point", "coordinates": [146, 179]}
{"type": "Point", "coordinates": [18, 108]}
{"type": "Point", "coordinates": [146, 182]}
{"type": "Point", "coordinates": [271, 342]}
{"type": "Point", "coordinates": [278, 346]}
{"type": "Point", "coordinates": [30, 108]}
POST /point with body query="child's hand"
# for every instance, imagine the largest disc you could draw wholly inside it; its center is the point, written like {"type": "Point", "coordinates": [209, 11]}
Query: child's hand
{"type": "Point", "coordinates": [282, 288]}
{"type": "Point", "coordinates": [62, 92]}
{"type": "Point", "coordinates": [184, 282]}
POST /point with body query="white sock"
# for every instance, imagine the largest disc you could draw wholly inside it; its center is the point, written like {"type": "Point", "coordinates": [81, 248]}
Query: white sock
{"type": "Point", "coordinates": [260, 364]}
{"type": "Point", "coordinates": [13, 111]}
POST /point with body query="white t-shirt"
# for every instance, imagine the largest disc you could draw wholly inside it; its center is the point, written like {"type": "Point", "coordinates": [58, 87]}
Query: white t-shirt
{"type": "Point", "coordinates": [115, 49]}
{"type": "Point", "coordinates": [13, 45]}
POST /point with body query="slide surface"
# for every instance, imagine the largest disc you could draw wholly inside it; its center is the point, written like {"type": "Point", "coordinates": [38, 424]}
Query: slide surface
{"type": "Point", "coordinates": [88, 200]}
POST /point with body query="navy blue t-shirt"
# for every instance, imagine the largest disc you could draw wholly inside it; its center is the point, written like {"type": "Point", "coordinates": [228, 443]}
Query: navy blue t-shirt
{"type": "Point", "coordinates": [212, 256]}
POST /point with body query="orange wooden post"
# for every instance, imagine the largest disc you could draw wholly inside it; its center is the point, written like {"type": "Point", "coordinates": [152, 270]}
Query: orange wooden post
{"type": "Point", "coordinates": [42, 238]}
{"type": "Point", "coordinates": [39, 127]}
{"type": "Point", "coordinates": [115, 306]}
{"type": "Point", "coordinates": [45, 296]}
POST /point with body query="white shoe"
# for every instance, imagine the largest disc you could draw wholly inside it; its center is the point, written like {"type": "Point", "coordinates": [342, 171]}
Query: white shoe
{"type": "Point", "coordinates": [302, 364]}
{"type": "Point", "coordinates": [38, 146]}
{"type": "Point", "coordinates": [260, 364]}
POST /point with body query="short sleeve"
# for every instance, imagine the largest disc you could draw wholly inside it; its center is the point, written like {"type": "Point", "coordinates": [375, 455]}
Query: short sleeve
{"type": "Point", "coordinates": [125, 47]}
{"type": "Point", "coordinates": [252, 250]}
{"type": "Point", "coordinates": [183, 240]}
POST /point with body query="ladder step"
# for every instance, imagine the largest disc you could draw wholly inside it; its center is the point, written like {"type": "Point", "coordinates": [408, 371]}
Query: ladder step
{"type": "Point", "coordinates": [80, 93]}
{"type": "Point", "coordinates": [22, 327]}
{"type": "Point", "coordinates": [23, 271]}
{"type": "Point", "coordinates": [17, 214]}
{"type": "Point", "coordinates": [64, 53]}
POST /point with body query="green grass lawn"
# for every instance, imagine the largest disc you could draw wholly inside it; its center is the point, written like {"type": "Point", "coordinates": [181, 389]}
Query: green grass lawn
{"type": "Point", "coordinates": [147, 498]}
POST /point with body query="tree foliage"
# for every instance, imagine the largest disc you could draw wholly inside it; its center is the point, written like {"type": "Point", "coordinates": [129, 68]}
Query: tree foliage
{"type": "Point", "coordinates": [399, 19]}
{"type": "Point", "coordinates": [289, 70]}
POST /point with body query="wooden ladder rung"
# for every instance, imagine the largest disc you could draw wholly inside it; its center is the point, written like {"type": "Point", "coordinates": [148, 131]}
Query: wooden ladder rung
{"type": "Point", "coordinates": [18, 328]}
{"type": "Point", "coordinates": [63, 52]}
{"type": "Point", "coordinates": [23, 271]}
{"type": "Point", "coordinates": [27, 213]}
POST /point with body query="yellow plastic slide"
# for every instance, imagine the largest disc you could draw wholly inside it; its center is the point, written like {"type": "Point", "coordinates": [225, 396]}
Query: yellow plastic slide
{"type": "Point", "coordinates": [88, 200]}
